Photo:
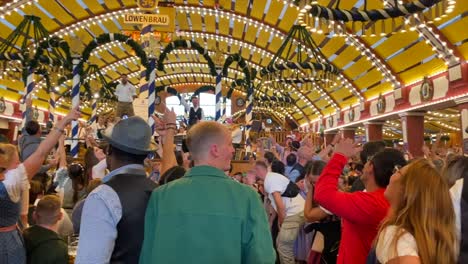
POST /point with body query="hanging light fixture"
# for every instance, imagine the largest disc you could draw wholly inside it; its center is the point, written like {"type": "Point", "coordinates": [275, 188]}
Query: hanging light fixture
{"type": "Point", "coordinates": [394, 16]}
{"type": "Point", "coordinates": [299, 62]}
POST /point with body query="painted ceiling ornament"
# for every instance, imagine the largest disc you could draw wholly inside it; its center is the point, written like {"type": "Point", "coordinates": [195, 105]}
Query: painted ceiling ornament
{"type": "Point", "coordinates": [351, 114]}
{"type": "Point", "coordinates": [330, 121]}
{"type": "Point", "coordinates": [2, 105]}
{"type": "Point", "coordinates": [147, 4]}
{"type": "Point", "coordinates": [305, 66]}
{"type": "Point", "coordinates": [154, 45]}
{"type": "Point", "coordinates": [240, 102]}
{"type": "Point", "coordinates": [381, 104]}
{"type": "Point", "coordinates": [427, 90]}
{"type": "Point", "coordinates": [218, 58]}
{"type": "Point", "coordinates": [76, 46]}
{"type": "Point", "coordinates": [371, 22]}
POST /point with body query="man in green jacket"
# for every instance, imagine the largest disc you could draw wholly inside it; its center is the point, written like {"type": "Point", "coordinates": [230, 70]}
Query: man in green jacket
{"type": "Point", "coordinates": [43, 244]}
{"type": "Point", "coordinates": [205, 217]}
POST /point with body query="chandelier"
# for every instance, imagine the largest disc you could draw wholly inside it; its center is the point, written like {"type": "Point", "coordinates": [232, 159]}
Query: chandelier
{"type": "Point", "coordinates": [299, 63]}
{"type": "Point", "coordinates": [393, 16]}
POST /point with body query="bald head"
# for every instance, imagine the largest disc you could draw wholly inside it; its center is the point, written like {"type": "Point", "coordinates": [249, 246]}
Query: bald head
{"type": "Point", "coordinates": [202, 137]}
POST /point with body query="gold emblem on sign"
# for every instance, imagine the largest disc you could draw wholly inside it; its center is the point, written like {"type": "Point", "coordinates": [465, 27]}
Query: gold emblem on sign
{"type": "Point", "coordinates": [218, 58]}
{"type": "Point", "coordinates": [2, 105]}
{"type": "Point", "coordinates": [427, 90]}
{"type": "Point", "coordinates": [381, 104]}
{"type": "Point", "coordinates": [147, 4]}
{"type": "Point", "coordinates": [76, 46]}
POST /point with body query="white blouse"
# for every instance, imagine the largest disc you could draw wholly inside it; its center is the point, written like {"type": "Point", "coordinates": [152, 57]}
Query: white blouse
{"type": "Point", "coordinates": [15, 182]}
{"type": "Point", "coordinates": [405, 246]}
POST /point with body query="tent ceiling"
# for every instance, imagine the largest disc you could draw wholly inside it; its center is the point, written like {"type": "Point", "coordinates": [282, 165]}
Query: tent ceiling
{"type": "Point", "coordinates": [255, 29]}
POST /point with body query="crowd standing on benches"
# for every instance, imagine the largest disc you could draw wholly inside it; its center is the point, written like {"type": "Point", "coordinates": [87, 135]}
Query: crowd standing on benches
{"type": "Point", "coordinates": [300, 202]}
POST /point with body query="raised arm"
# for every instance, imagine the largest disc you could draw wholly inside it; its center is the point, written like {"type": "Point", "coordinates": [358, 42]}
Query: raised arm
{"type": "Point", "coordinates": [184, 103]}
{"type": "Point", "coordinates": [61, 151]}
{"type": "Point", "coordinates": [168, 158]}
{"type": "Point", "coordinates": [34, 162]}
{"type": "Point", "coordinates": [311, 213]}
{"type": "Point", "coordinates": [354, 206]}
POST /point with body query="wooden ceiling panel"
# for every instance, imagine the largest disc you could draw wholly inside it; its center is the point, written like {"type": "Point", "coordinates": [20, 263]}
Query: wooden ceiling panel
{"type": "Point", "coordinates": [381, 88]}
{"type": "Point", "coordinates": [344, 58]}
{"type": "Point", "coordinates": [431, 67]}
{"type": "Point", "coordinates": [93, 5]}
{"type": "Point", "coordinates": [257, 9]}
{"type": "Point", "coordinates": [457, 32]}
{"type": "Point", "coordinates": [357, 68]}
{"type": "Point", "coordinates": [210, 22]}
{"type": "Point", "coordinates": [238, 29]}
{"type": "Point", "coordinates": [464, 50]}
{"type": "Point", "coordinates": [182, 21]}
{"type": "Point", "coordinates": [196, 22]}
{"type": "Point", "coordinates": [59, 13]}
{"type": "Point", "coordinates": [251, 34]}
{"type": "Point", "coordinates": [286, 24]}
{"type": "Point", "coordinates": [395, 43]}
{"type": "Point", "coordinates": [411, 56]}
{"type": "Point", "coordinates": [369, 78]}
{"type": "Point", "coordinates": [224, 25]}
{"type": "Point", "coordinates": [77, 10]}
{"type": "Point", "coordinates": [274, 12]}
{"type": "Point", "coordinates": [262, 39]}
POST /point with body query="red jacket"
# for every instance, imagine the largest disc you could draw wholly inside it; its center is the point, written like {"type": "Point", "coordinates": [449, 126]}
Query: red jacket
{"type": "Point", "coordinates": [361, 212]}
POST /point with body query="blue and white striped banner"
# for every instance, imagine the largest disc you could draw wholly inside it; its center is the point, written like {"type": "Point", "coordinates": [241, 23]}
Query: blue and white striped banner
{"type": "Point", "coordinates": [151, 93]}
{"type": "Point", "coordinates": [218, 93]}
{"type": "Point", "coordinates": [75, 95]}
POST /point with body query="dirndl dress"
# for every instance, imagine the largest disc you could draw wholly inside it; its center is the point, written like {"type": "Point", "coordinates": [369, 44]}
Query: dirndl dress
{"type": "Point", "coordinates": [11, 242]}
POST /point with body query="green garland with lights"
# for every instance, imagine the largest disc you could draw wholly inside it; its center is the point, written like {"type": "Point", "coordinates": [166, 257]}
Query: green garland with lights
{"type": "Point", "coordinates": [242, 63]}
{"type": "Point", "coordinates": [109, 37]}
{"type": "Point", "coordinates": [180, 43]}
{"type": "Point", "coordinates": [54, 42]}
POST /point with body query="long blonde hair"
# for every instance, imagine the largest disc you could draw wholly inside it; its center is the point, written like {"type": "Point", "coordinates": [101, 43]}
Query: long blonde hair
{"type": "Point", "coordinates": [7, 152]}
{"type": "Point", "coordinates": [426, 212]}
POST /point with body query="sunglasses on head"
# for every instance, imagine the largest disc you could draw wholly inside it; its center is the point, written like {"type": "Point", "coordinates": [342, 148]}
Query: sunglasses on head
{"type": "Point", "coordinates": [397, 168]}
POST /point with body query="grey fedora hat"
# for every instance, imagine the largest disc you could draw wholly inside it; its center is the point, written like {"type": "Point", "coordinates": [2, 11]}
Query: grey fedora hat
{"type": "Point", "coordinates": [132, 135]}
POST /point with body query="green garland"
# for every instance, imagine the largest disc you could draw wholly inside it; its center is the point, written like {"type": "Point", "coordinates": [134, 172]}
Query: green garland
{"type": "Point", "coordinates": [180, 43]}
{"type": "Point", "coordinates": [109, 37]}
{"type": "Point", "coordinates": [242, 63]}
{"type": "Point", "coordinates": [54, 42]}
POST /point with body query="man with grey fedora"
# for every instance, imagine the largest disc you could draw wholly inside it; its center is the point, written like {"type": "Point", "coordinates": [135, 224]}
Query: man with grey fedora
{"type": "Point", "coordinates": [112, 223]}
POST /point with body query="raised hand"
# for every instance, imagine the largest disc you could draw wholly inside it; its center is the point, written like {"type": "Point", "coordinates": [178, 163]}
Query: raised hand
{"type": "Point", "coordinates": [74, 114]}
{"type": "Point", "coordinates": [336, 138]}
{"type": "Point", "coordinates": [346, 147]}
{"type": "Point", "coordinates": [169, 116]}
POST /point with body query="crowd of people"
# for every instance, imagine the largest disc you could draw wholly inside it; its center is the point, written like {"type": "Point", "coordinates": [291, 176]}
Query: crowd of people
{"type": "Point", "coordinates": [298, 203]}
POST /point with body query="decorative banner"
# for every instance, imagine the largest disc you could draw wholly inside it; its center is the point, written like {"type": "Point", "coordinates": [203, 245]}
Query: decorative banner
{"type": "Point", "coordinates": [147, 4]}
{"type": "Point", "coordinates": [164, 21]}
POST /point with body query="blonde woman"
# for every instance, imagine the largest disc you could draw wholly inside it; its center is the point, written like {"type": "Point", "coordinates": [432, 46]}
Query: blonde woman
{"type": "Point", "coordinates": [420, 227]}
{"type": "Point", "coordinates": [16, 178]}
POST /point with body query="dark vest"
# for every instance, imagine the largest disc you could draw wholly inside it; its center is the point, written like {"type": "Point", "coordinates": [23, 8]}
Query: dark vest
{"type": "Point", "coordinates": [463, 258]}
{"type": "Point", "coordinates": [298, 167]}
{"type": "Point", "coordinates": [194, 116]}
{"type": "Point", "coordinates": [134, 191]}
